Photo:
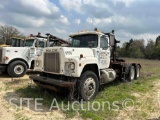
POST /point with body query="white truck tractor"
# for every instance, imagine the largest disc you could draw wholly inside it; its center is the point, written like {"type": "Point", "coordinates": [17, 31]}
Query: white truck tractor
{"type": "Point", "coordinates": [83, 67]}
{"type": "Point", "coordinates": [16, 60]}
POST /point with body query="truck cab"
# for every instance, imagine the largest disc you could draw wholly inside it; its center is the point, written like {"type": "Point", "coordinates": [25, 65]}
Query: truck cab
{"type": "Point", "coordinates": [98, 42]}
{"type": "Point", "coordinates": [84, 66]}
{"type": "Point", "coordinates": [36, 45]}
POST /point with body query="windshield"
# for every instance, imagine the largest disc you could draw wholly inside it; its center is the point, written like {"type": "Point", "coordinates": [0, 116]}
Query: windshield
{"type": "Point", "coordinates": [29, 43]}
{"type": "Point", "coordinates": [14, 43]}
{"type": "Point", "coordinates": [17, 42]}
{"type": "Point", "coordinates": [89, 40]}
{"type": "Point", "coordinates": [41, 44]}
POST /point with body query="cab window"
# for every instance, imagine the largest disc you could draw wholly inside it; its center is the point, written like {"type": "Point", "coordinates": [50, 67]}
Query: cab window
{"type": "Point", "coordinates": [39, 44]}
{"type": "Point", "coordinates": [103, 42]}
{"type": "Point", "coordinates": [29, 42]}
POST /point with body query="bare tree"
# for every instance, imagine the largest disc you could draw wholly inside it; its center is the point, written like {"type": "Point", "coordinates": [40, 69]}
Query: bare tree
{"type": "Point", "coordinates": [8, 32]}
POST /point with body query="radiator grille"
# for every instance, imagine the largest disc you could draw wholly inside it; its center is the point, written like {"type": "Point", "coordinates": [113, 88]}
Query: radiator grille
{"type": "Point", "coordinates": [1, 55]}
{"type": "Point", "coordinates": [51, 62]}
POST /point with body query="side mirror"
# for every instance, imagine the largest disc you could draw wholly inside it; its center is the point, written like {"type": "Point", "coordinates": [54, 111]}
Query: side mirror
{"type": "Point", "coordinates": [112, 40]}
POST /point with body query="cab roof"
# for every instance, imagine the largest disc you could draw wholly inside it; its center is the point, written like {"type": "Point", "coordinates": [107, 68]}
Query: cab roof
{"type": "Point", "coordinates": [87, 32]}
{"type": "Point", "coordinates": [41, 39]}
{"type": "Point", "coordinates": [17, 38]}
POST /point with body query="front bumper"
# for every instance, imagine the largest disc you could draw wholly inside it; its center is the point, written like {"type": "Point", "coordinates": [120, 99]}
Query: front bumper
{"type": "Point", "coordinates": [51, 81]}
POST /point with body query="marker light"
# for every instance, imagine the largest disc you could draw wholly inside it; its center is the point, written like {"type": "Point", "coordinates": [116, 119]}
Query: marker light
{"type": "Point", "coordinates": [6, 58]}
{"type": "Point", "coordinates": [81, 56]}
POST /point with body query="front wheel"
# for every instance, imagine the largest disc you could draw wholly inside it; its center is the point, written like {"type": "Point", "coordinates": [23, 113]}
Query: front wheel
{"type": "Point", "coordinates": [89, 85]}
{"type": "Point", "coordinates": [17, 69]}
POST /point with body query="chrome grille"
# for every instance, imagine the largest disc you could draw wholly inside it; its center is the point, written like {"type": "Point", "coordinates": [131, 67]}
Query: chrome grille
{"type": "Point", "coordinates": [52, 62]}
{"type": "Point", "coordinates": [1, 55]}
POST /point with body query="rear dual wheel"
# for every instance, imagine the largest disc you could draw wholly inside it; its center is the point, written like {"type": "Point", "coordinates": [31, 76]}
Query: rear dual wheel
{"type": "Point", "coordinates": [134, 72]}
{"type": "Point", "coordinates": [137, 70]}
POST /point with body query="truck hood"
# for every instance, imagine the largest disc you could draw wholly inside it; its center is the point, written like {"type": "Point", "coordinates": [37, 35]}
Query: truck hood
{"type": "Point", "coordinates": [72, 51]}
{"type": "Point", "coordinates": [15, 48]}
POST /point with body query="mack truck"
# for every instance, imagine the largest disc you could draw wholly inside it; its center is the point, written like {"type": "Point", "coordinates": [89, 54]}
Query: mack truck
{"type": "Point", "coordinates": [82, 68]}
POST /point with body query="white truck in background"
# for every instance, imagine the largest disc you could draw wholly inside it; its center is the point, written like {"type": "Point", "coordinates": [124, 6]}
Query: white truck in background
{"type": "Point", "coordinates": [16, 60]}
{"type": "Point", "coordinates": [83, 67]}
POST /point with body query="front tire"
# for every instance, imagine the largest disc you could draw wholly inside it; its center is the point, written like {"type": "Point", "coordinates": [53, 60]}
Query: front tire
{"type": "Point", "coordinates": [89, 85]}
{"type": "Point", "coordinates": [17, 69]}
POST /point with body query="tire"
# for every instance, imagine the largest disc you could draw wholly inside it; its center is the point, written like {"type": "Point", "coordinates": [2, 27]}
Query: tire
{"type": "Point", "coordinates": [17, 69]}
{"type": "Point", "coordinates": [137, 71]}
{"type": "Point", "coordinates": [131, 75]}
{"type": "Point", "coordinates": [88, 85]}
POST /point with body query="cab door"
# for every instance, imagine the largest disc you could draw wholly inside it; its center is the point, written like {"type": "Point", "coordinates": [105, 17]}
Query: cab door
{"type": "Point", "coordinates": [104, 52]}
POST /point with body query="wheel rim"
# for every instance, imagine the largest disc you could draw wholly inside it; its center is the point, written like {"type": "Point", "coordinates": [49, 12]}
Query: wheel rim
{"type": "Point", "coordinates": [89, 87]}
{"type": "Point", "coordinates": [132, 73]}
{"type": "Point", "coordinates": [18, 69]}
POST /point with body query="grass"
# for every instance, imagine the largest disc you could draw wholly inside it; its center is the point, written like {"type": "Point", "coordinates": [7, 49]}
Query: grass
{"type": "Point", "coordinates": [15, 84]}
{"type": "Point", "coordinates": [113, 93]}
{"type": "Point", "coordinates": [19, 116]}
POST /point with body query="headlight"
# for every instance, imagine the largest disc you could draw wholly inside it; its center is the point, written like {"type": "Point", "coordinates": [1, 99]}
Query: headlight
{"type": "Point", "coordinates": [71, 66]}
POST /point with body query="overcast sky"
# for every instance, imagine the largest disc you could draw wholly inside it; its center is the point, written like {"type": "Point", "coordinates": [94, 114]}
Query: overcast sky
{"type": "Point", "coordinates": [129, 18]}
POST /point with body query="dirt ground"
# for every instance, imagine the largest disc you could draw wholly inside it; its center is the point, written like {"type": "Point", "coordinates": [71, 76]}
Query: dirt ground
{"type": "Point", "coordinates": [10, 112]}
